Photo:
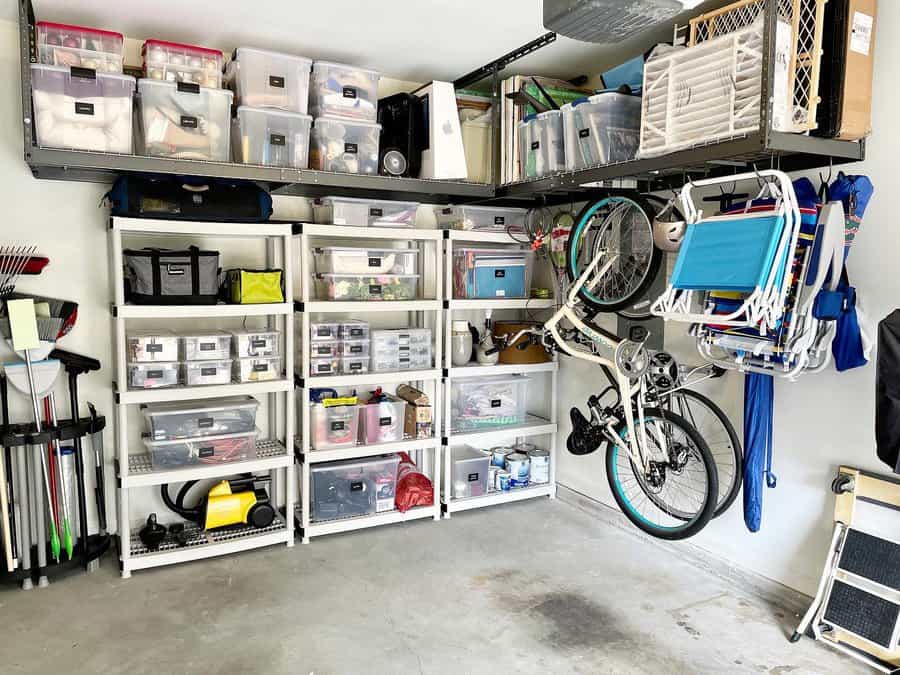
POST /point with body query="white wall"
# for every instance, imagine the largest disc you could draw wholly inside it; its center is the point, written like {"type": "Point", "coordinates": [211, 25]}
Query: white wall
{"type": "Point", "coordinates": [821, 421]}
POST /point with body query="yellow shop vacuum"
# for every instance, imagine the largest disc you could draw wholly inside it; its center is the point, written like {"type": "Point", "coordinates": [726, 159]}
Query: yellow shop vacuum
{"type": "Point", "coordinates": [239, 501]}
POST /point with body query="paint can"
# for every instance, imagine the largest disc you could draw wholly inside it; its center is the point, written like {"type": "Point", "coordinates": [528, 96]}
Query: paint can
{"type": "Point", "coordinates": [498, 456]}
{"type": "Point", "coordinates": [503, 480]}
{"type": "Point", "coordinates": [525, 447]}
{"type": "Point", "coordinates": [519, 466]}
{"type": "Point", "coordinates": [492, 477]}
{"type": "Point", "coordinates": [540, 465]}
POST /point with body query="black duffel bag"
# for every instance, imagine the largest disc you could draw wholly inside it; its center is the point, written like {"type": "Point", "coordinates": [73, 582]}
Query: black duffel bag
{"type": "Point", "coordinates": [164, 277]}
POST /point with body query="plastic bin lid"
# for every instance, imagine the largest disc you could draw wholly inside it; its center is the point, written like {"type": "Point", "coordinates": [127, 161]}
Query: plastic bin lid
{"type": "Point", "coordinates": [187, 407]}
{"type": "Point", "coordinates": [235, 56]}
{"type": "Point", "coordinates": [247, 359]}
{"type": "Point", "coordinates": [345, 66]}
{"type": "Point", "coordinates": [68, 70]}
{"type": "Point", "coordinates": [147, 332]}
{"type": "Point", "coordinates": [359, 200]}
{"type": "Point", "coordinates": [350, 463]}
{"type": "Point", "coordinates": [366, 276]}
{"type": "Point", "coordinates": [178, 45]}
{"type": "Point", "coordinates": [332, 119]}
{"type": "Point", "coordinates": [541, 115]}
{"type": "Point", "coordinates": [247, 331]}
{"type": "Point", "coordinates": [145, 82]}
{"type": "Point", "coordinates": [272, 112]}
{"type": "Point", "coordinates": [204, 334]}
{"type": "Point", "coordinates": [493, 209]}
{"type": "Point", "coordinates": [200, 439]}
{"type": "Point", "coordinates": [363, 252]}
{"type": "Point", "coordinates": [86, 29]}
{"type": "Point", "coordinates": [493, 379]}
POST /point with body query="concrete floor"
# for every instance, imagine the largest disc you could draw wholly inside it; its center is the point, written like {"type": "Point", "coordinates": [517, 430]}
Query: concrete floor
{"type": "Point", "coordinates": [534, 587]}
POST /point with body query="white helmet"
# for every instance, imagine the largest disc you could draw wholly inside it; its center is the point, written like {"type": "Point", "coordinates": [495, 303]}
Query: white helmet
{"type": "Point", "coordinates": [667, 234]}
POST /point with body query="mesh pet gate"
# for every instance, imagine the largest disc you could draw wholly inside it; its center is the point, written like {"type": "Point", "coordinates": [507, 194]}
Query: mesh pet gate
{"type": "Point", "coordinates": [806, 18]}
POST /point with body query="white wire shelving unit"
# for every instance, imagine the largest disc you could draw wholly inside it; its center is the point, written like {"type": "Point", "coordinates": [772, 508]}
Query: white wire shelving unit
{"type": "Point", "coordinates": [540, 428]}
{"type": "Point", "coordinates": [425, 311]}
{"type": "Point", "coordinates": [134, 468]}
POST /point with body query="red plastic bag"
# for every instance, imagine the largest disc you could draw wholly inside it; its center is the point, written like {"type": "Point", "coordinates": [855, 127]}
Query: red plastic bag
{"type": "Point", "coordinates": [414, 488]}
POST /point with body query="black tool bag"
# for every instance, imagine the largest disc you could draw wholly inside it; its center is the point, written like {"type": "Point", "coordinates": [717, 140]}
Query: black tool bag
{"type": "Point", "coordinates": [189, 198]}
{"type": "Point", "coordinates": [164, 277]}
{"type": "Point", "coordinates": [887, 391]}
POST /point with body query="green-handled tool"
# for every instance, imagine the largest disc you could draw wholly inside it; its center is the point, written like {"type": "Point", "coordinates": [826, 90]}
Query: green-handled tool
{"type": "Point", "coordinates": [66, 519]}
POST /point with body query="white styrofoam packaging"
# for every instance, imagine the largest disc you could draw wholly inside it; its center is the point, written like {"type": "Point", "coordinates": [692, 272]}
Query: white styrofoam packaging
{"type": "Point", "coordinates": [349, 260]}
{"type": "Point", "coordinates": [257, 369]}
{"type": "Point", "coordinates": [182, 120]}
{"type": "Point", "coordinates": [151, 345]}
{"type": "Point", "coordinates": [344, 146]}
{"type": "Point", "coordinates": [81, 109]}
{"type": "Point", "coordinates": [265, 79]}
{"type": "Point", "coordinates": [343, 91]}
{"type": "Point", "coordinates": [364, 212]}
{"type": "Point", "coordinates": [271, 137]}
{"type": "Point", "coordinates": [200, 373]}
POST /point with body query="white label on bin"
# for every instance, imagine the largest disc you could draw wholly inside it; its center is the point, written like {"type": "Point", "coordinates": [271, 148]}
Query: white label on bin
{"type": "Point", "coordinates": [584, 133]}
{"type": "Point", "coordinates": [499, 220]}
{"type": "Point", "coordinates": [377, 213]}
{"type": "Point", "coordinates": [496, 403]}
{"type": "Point", "coordinates": [277, 139]}
{"type": "Point", "coordinates": [374, 289]}
{"type": "Point", "coordinates": [84, 108]}
{"type": "Point", "coordinates": [385, 421]}
{"type": "Point", "coordinates": [535, 145]}
{"type": "Point", "coordinates": [208, 451]}
{"type": "Point", "coordinates": [337, 426]}
{"type": "Point", "coordinates": [154, 348]}
{"type": "Point", "coordinates": [861, 34]}
{"type": "Point", "coordinates": [374, 262]}
{"type": "Point", "coordinates": [501, 293]}
{"type": "Point", "coordinates": [473, 477]}
{"type": "Point", "coordinates": [276, 81]}
{"type": "Point", "coordinates": [351, 148]}
{"type": "Point", "coordinates": [189, 122]}
{"type": "Point", "coordinates": [208, 372]}
{"type": "Point", "coordinates": [260, 367]}
{"type": "Point", "coordinates": [499, 274]}
{"type": "Point", "coordinates": [349, 92]}
{"type": "Point", "coordinates": [204, 422]}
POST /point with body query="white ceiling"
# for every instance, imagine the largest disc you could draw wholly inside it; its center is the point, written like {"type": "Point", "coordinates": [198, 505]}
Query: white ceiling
{"type": "Point", "coordinates": [412, 40]}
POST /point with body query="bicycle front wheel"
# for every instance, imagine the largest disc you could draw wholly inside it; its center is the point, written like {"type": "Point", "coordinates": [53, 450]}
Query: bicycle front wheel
{"type": "Point", "coordinates": [619, 231]}
{"type": "Point", "coordinates": [676, 497]}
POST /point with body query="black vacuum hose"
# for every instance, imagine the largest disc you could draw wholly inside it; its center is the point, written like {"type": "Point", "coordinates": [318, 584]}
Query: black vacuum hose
{"type": "Point", "coordinates": [194, 515]}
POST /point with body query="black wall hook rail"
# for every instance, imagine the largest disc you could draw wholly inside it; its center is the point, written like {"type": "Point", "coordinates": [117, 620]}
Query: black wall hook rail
{"type": "Point", "coordinates": [16, 435]}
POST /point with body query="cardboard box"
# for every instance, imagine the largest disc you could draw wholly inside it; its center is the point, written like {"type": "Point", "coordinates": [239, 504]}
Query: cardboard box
{"type": "Point", "coordinates": [419, 417]}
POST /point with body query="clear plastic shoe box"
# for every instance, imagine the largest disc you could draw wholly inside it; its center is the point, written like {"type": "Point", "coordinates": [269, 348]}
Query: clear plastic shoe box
{"type": "Point", "coordinates": [201, 373]}
{"type": "Point", "coordinates": [324, 331]}
{"type": "Point", "coordinates": [333, 426]}
{"type": "Point", "coordinates": [271, 137]}
{"type": "Point", "coordinates": [152, 346]}
{"type": "Point", "coordinates": [382, 422]}
{"type": "Point", "coordinates": [481, 218]}
{"type": "Point", "coordinates": [266, 79]}
{"type": "Point", "coordinates": [346, 260]}
{"type": "Point", "coordinates": [344, 146]}
{"type": "Point", "coordinates": [365, 287]}
{"type": "Point", "coordinates": [323, 350]}
{"type": "Point", "coordinates": [245, 343]}
{"type": "Point", "coordinates": [469, 476]}
{"type": "Point", "coordinates": [204, 450]}
{"type": "Point", "coordinates": [153, 375]}
{"type": "Point", "coordinates": [354, 348]}
{"type": "Point", "coordinates": [325, 366]}
{"type": "Point", "coordinates": [184, 121]}
{"type": "Point", "coordinates": [354, 330]}
{"type": "Point", "coordinates": [343, 91]}
{"type": "Point", "coordinates": [354, 365]}
{"type": "Point", "coordinates": [175, 62]}
{"type": "Point", "coordinates": [364, 212]}
{"type": "Point", "coordinates": [208, 346]}
{"type": "Point", "coordinates": [61, 44]}
{"type": "Point", "coordinates": [82, 109]}
{"type": "Point", "coordinates": [212, 417]}
{"type": "Point", "coordinates": [257, 369]}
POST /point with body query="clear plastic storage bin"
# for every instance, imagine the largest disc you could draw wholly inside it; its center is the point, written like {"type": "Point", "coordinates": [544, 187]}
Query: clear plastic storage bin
{"type": "Point", "coordinates": [153, 375]}
{"type": "Point", "coordinates": [271, 137]}
{"type": "Point", "coordinates": [184, 121]}
{"type": "Point", "coordinates": [151, 346]}
{"type": "Point", "coordinates": [354, 330]}
{"type": "Point", "coordinates": [205, 450]}
{"type": "Point", "coordinates": [343, 91]}
{"type": "Point", "coordinates": [324, 331]}
{"type": "Point", "coordinates": [366, 287]}
{"type": "Point", "coordinates": [385, 363]}
{"type": "Point", "coordinates": [354, 365]}
{"type": "Point", "coordinates": [333, 426]}
{"type": "Point", "coordinates": [82, 109]}
{"type": "Point", "coordinates": [245, 343]}
{"type": "Point", "coordinates": [382, 422]}
{"type": "Point", "coordinates": [60, 44]}
{"type": "Point", "coordinates": [324, 366]}
{"type": "Point", "coordinates": [353, 488]}
{"type": "Point", "coordinates": [470, 472]}
{"type": "Point", "coordinates": [600, 129]}
{"type": "Point", "coordinates": [321, 350]}
{"type": "Point", "coordinates": [492, 401]}
{"type": "Point", "coordinates": [364, 212]}
{"type": "Point", "coordinates": [257, 369]}
{"type": "Point", "coordinates": [354, 348]}
{"type": "Point", "coordinates": [481, 218]}
{"type": "Point", "coordinates": [266, 79]}
{"type": "Point", "coordinates": [385, 341]}
{"type": "Point", "coordinates": [175, 62]}
{"type": "Point", "coordinates": [213, 417]}
{"type": "Point", "coordinates": [541, 147]}
{"type": "Point", "coordinates": [201, 373]}
{"type": "Point", "coordinates": [344, 146]}
{"type": "Point", "coordinates": [492, 273]}
{"type": "Point", "coordinates": [343, 260]}
{"type": "Point", "coordinates": [205, 346]}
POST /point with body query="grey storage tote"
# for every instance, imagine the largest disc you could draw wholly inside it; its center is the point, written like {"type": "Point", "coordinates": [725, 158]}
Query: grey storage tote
{"type": "Point", "coordinates": [165, 277]}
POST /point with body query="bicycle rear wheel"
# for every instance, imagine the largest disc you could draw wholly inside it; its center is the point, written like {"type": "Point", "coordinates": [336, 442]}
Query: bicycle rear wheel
{"type": "Point", "coordinates": [620, 226]}
{"type": "Point", "coordinates": [677, 498]}
{"type": "Point", "coordinates": [716, 429]}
